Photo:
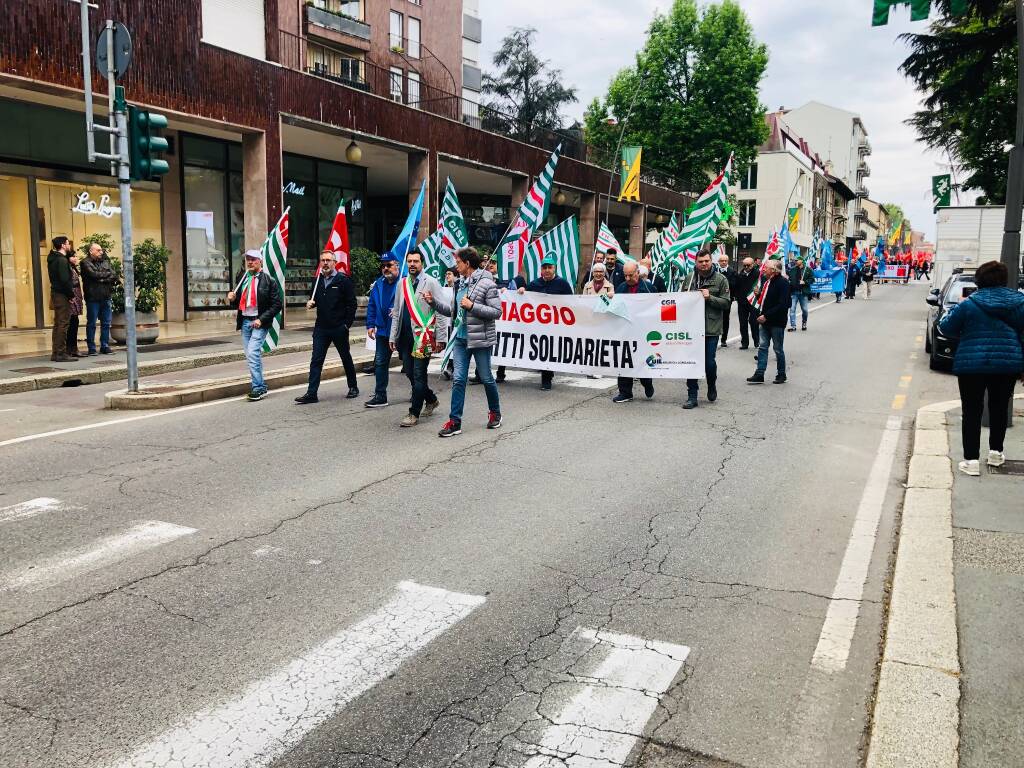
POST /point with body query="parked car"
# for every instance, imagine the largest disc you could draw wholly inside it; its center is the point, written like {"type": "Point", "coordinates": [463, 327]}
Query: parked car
{"type": "Point", "coordinates": [941, 349]}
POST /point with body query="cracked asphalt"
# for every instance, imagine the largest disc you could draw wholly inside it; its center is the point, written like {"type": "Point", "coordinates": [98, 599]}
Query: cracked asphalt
{"type": "Point", "coordinates": [720, 529]}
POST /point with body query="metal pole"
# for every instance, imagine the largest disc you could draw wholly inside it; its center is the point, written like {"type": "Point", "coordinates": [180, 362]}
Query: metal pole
{"type": "Point", "coordinates": [127, 258]}
{"type": "Point", "coordinates": [90, 140]}
{"type": "Point", "coordinates": [615, 158]}
{"type": "Point", "coordinates": [1010, 255]}
{"type": "Point", "coordinates": [110, 92]}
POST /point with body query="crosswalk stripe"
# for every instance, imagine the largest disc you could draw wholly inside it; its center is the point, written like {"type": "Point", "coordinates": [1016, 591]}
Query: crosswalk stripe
{"type": "Point", "coordinates": [273, 714]}
{"type": "Point", "coordinates": [101, 553]}
{"type": "Point", "coordinates": [29, 508]}
{"type": "Point", "coordinates": [601, 724]}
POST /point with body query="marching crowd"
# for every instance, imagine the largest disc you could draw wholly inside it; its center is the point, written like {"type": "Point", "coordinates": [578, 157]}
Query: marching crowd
{"type": "Point", "coordinates": [410, 316]}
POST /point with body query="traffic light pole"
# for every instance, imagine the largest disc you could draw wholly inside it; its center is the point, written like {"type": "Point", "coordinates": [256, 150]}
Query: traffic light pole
{"type": "Point", "coordinates": [127, 260]}
{"type": "Point", "coordinates": [1010, 255]}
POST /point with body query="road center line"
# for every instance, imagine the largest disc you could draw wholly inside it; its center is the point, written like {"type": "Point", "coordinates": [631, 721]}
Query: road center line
{"type": "Point", "coordinates": [273, 714]}
{"type": "Point", "coordinates": [99, 554]}
{"type": "Point", "coordinates": [836, 636]}
{"type": "Point", "coordinates": [29, 508]}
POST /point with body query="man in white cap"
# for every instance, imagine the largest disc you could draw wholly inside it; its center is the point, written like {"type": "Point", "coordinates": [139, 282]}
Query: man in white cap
{"type": "Point", "coordinates": [258, 300]}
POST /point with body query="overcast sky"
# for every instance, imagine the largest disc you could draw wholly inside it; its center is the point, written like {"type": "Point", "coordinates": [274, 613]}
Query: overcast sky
{"type": "Point", "coordinates": [825, 51]}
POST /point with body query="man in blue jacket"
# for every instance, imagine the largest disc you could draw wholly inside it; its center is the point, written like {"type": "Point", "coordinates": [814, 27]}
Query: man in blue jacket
{"type": "Point", "coordinates": [378, 326]}
{"type": "Point", "coordinates": [548, 282]}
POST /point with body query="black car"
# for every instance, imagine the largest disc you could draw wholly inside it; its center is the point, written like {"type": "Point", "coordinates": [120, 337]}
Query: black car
{"type": "Point", "coordinates": [941, 349]}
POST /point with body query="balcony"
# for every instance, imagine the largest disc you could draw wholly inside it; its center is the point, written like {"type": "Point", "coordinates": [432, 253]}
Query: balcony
{"type": "Point", "coordinates": [864, 148]}
{"type": "Point", "coordinates": [335, 27]}
{"type": "Point", "coordinates": [863, 169]}
{"type": "Point", "coordinates": [862, 191]}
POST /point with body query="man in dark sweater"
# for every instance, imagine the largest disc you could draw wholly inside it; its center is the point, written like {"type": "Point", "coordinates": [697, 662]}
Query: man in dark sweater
{"type": "Point", "coordinates": [62, 293]}
{"type": "Point", "coordinates": [731, 277]}
{"type": "Point", "coordinates": [774, 306]}
{"type": "Point", "coordinates": [552, 284]}
{"type": "Point", "coordinates": [746, 279]}
{"type": "Point", "coordinates": [335, 302]}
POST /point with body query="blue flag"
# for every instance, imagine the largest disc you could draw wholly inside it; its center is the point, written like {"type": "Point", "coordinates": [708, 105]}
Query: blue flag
{"type": "Point", "coordinates": [828, 260]}
{"type": "Point", "coordinates": [406, 240]}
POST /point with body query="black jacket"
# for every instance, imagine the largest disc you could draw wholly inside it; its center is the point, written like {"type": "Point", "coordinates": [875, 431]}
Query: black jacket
{"type": "Point", "coordinates": [269, 301]}
{"type": "Point", "coordinates": [659, 284]}
{"type": "Point", "coordinates": [335, 302]}
{"type": "Point", "coordinates": [557, 286]}
{"type": "Point", "coordinates": [98, 278]}
{"type": "Point", "coordinates": [776, 303]}
{"type": "Point", "coordinates": [59, 269]}
{"type": "Point", "coordinates": [732, 276]}
{"type": "Point", "coordinates": [744, 285]}
{"type": "Point", "coordinates": [645, 287]}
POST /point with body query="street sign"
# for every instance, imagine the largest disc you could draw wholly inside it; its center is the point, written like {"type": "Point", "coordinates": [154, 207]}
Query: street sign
{"type": "Point", "coordinates": [122, 49]}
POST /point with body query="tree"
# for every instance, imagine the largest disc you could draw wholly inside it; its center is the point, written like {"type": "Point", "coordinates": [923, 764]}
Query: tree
{"type": "Point", "coordinates": [895, 212]}
{"type": "Point", "coordinates": [966, 68]}
{"type": "Point", "coordinates": [695, 85]}
{"type": "Point", "coordinates": [529, 94]}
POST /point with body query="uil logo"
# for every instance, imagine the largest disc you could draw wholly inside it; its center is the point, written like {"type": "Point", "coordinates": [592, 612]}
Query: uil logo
{"type": "Point", "coordinates": [653, 361]}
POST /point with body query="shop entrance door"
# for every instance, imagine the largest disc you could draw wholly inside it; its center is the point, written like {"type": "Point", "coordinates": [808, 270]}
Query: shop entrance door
{"type": "Point", "coordinates": [17, 280]}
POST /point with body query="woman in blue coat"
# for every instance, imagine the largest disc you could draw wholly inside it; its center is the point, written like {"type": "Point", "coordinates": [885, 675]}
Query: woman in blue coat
{"type": "Point", "coordinates": [990, 357]}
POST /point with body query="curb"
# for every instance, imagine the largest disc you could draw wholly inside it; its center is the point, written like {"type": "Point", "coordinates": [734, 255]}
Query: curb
{"type": "Point", "coordinates": [916, 721]}
{"type": "Point", "coordinates": [175, 396]}
{"type": "Point", "coordinates": [119, 372]}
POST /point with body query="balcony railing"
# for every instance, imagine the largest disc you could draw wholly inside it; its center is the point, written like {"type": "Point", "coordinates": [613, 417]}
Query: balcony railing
{"type": "Point", "coordinates": [864, 148]}
{"type": "Point", "coordinates": [336, 22]}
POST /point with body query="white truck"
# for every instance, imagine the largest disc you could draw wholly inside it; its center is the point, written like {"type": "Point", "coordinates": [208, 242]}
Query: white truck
{"type": "Point", "coordinates": [966, 236]}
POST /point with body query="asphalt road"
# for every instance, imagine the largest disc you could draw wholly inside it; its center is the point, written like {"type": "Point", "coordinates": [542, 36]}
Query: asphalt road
{"type": "Point", "coordinates": [591, 585]}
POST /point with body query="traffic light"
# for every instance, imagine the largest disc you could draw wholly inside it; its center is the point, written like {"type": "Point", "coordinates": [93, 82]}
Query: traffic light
{"type": "Point", "coordinates": [145, 147]}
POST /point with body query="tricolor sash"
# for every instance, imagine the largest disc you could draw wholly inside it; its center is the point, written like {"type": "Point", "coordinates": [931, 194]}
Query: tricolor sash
{"type": "Point", "coordinates": [422, 323]}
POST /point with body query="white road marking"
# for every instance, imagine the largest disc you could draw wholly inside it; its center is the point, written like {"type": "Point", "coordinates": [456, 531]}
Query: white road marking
{"type": "Point", "coordinates": [265, 550]}
{"type": "Point", "coordinates": [836, 636]}
{"type": "Point", "coordinates": [601, 724]}
{"type": "Point", "coordinates": [273, 714]}
{"type": "Point", "coordinates": [29, 508]}
{"type": "Point", "coordinates": [101, 553]}
{"type": "Point", "coordinates": [6, 410]}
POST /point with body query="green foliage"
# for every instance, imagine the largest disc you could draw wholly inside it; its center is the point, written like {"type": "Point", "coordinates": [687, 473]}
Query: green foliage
{"type": "Point", "coordinates": [895, 212]}
{"type": "Point", "coordinates": [696, 95]}
{"type": "Point", "coordinates": [528, 94]}
{"type": "Point", "coordinates": [150, 262]}
{"type": "Point", "coordinates": [484, 249]}
{"type": "Point", "coordinates": [966, 69]}
{"type": "Point", "coordinates": [365, 269]}
{"type": "Point", "coordinates": [106, 242]}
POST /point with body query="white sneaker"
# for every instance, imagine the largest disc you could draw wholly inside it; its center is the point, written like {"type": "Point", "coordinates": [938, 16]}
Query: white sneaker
{"type": "Point", "coordinates": [996, 458]}
{"type": "Point", "coordinates": [972, 467]}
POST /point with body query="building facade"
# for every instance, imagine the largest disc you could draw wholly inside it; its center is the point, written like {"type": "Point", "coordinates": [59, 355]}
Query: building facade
{"type": "Point", "coordinates": [271, 104]}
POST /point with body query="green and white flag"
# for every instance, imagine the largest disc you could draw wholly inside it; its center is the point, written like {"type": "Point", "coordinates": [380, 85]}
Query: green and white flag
{"type": "Point", "coordinates": [562, 242]}
{"type": "Point", "coordinates": [529, 218]}
{"type": "Point", "coordinates": [275, 258]}
{"type": "Point", "coordinates": [451, 235]}
{"type": "Point", "coordinates": [702, 221]}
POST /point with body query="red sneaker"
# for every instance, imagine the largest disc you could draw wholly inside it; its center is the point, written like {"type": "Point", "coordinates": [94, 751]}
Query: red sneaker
{"type": "Point", "coordinates": [493, 420]}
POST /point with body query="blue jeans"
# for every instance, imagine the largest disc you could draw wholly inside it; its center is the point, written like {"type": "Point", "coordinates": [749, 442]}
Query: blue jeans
{"type": "Point", "coordinates": [710, 367]}
{"type": "Point", "coordinates": [797, 299]}
{"type": "Point", "coordinates": [482, 357]}
{"type": "Point", "coordinates": [252, 340]}
{"type": "Point", "coordinates": [774, 337]}
{"type": "Point", "coordinates": [97, 310]}
{"type": "Point", "coordinates": [382, 365]}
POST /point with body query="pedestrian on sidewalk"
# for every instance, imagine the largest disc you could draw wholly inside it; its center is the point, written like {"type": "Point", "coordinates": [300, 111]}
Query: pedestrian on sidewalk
{"type": "Point", "coordinates": [632, 284]}
{"type": "Point", "coordinates": [746, 279]}
{"type": "Point", "coordinates": [868, 276]}
{"type": "Point", "coordinates": [258, 300]}
{"type": "Point", "coordinates": [731, 277]}
{"type": "Point", "coordinates": [774, 301]}
{"type": "Point", "coordinates": [714, 287]}
{"type": "Point", "coordinates": [98, 280]}
{"type": "Point", "coordinates": [378, 327]}
{"type": "Point", "coordinates": [77, 305]}
{"type": "Point", "coordinates": [473, 309]}
{"type": "Point", "coordinates": [800, 279]}
{"type": "Point", "coordinates": [990, 326]}
{"type": "Point", "coordinates": [416, 333]}
{"type": "Point", "coordinates": [335, 301]}
{"type": "Point", "coordinates": [62, 293]}
{"type": "Point", "coordinates": [550, 283]}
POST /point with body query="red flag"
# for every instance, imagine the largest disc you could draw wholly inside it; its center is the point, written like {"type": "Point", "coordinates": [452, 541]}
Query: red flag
{"type": "Point", "coordinates": [337, 242]}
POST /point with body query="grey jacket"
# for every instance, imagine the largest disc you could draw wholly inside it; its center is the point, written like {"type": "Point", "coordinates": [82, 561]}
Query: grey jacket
{"type": "Point", "coordinates": [483, 292]}
{"type": "Point", "coordinates": [426, 283]}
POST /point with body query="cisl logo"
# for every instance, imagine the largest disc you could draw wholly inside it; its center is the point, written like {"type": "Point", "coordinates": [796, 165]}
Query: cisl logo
{"type": "Point", "coordinates": [668, 310]}
{"type": "Point", "coordinates": [654, 338]}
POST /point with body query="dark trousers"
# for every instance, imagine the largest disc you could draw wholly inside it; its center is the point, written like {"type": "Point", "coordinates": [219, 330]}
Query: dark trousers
{"type": "Point", "coordinates": [73, 334]}
{"type": "Point", "coordinates": [382, 365]}
{"type": "Point", "coordinates": [546, 377]}
{"type": "Point", "coordinates": [626, 385]}
{"type": "Point", "coordinates": [972, 398]}
{"type": "Point", "coordinates": [725, 323]}
{"type": "Point", "coordinates": [710, 368]}
{"type": "Point", "coordinates": [61, 320]}
{"type": "Point", "coordinates": [323, 338]}
{"type": "Point", "coordinates": [416, 369]}
{"type": "Point", "coordinates": [748, 323]}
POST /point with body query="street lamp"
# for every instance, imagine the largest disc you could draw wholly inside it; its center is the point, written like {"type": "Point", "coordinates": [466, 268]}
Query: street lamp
{"type": "Point", "coordinates": [353, 152]}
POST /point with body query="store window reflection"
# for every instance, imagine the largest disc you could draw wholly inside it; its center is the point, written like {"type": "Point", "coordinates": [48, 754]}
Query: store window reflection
{"type": "Point", "coordinates": [17, 297]}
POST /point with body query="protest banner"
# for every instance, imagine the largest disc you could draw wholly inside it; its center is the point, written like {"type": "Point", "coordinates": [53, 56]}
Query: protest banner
{"type": "Point", "coordinates": [829, 280]}
{"type": "Point", "coordinates": [893, 272]}
{"type": "Point", "coordinates": [659, 336]}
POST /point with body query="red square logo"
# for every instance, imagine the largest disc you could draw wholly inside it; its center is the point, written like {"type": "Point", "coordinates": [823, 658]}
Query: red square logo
{"type": "Point", "coordinates": [668, 311]}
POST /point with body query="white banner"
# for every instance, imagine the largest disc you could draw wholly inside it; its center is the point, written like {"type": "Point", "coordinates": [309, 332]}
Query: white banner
{"type": "Point", "coordinates": [651, 335]}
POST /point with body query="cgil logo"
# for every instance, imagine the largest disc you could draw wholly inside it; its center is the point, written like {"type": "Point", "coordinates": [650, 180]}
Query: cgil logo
{"type": "Point", "coordinates": [668, 310]}
{"type": "Point", "coordinates": [654, 338]}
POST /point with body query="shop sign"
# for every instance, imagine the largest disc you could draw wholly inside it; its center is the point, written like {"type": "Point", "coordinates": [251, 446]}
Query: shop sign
{"type": "Point", "coordinates": [291, 188]}
{"type": "Point", "coordinates": [85, 205]}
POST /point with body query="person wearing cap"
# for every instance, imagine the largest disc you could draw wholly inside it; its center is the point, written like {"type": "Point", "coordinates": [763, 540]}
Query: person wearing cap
{"type": "Point", "coordinates": [550, 283]}
{"type": "Point", "coordinates": [599, 284]}
{"type": "Point", "coordinates": [335, 300]}
{"type": "Point", "coordinates": [378, 326]}
{"type": "Point", "coordinates": [258, 300]}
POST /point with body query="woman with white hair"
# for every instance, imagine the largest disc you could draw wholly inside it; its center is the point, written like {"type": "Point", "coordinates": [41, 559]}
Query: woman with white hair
{"type": "Point", "coordinates": [599, 284]}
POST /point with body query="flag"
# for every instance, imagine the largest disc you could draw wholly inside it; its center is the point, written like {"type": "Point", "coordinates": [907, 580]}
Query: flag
{"type": "Point", "coordinates": [894, 233]}
{"type": "Point", "coordinates": [406, 239]}
{"type": "Point", "coordinates": [562, 242]}
{"type": "Point", "coordinates": [827, 255]}
{"type": "Point", "coordinates": [919, 10]}
{"type": "Point", "coordinates": [794, 219]}
{"type": "Point", "coordinates": [529, 218]}
{"type": "Point", "coordinates": [275, 258]}
{"type": "Point", "coordinates": [451, 235]}
{"type": "Point", "coordinates": [629, 175]}
{"type": "Point", "coordinates": [665, 239]}
{"type": "Point", "coordinates": [337, 242]}
{"type": "Point", "coordinates": [702, 220]}
{"type": "Point", "coordinates": [941, 187]}
{"type": "Point", "coordinates": [606, 241]}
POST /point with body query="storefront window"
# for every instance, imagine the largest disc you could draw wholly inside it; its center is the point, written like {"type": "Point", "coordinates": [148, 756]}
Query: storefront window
{"type": "Point", "coordinates": [17, 294]}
